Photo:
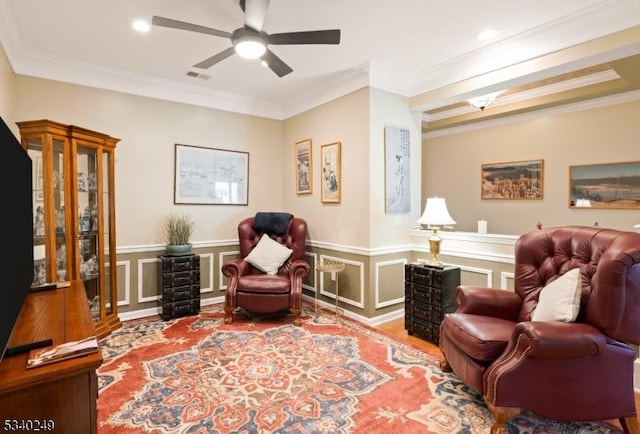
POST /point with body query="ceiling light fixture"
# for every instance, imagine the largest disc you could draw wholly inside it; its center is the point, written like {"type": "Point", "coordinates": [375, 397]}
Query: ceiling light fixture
{"type": "Point", "coordinates": [249, 44]}
{"type": "Point", "coordinates": [485, 35]}
{"type": "Point", "coordinates": [483, 101]}
{"type": "Point", "coordinates": [141, 26]}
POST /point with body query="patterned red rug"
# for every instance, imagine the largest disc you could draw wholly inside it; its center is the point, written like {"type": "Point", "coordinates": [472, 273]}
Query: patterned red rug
{"type": "Point", "coordinates": [264, 375]}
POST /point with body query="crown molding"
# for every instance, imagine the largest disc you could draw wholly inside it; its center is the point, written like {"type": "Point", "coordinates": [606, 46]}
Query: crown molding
{"type": "Point", "coordinates": [86, 74]}
{"type": "Point", "coordinates": [600, 20]}
{"type": "Point", "coordinates": [604, 18]}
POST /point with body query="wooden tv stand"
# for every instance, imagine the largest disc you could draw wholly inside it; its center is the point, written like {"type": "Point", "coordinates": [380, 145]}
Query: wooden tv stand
{"type": "Point", "coordinates": [60, 395]}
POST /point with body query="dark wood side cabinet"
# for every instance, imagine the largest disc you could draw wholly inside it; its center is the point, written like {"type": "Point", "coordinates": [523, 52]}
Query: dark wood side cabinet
{"type": "Point", "coordinates": [180, 285]}
{"type": "Point", "coordinates": [429, 293]}
{"type": "Point", "coordinates": [60, 397]}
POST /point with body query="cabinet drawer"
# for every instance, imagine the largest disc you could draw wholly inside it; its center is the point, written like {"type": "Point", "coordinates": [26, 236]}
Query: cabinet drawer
{"type": "Point", "coordinates": [180, 293]}
{"type": "Point", "coordinates": [428, 312]}
{"type": "Point", "coordinates": [427, 331]}
{"type": "Point", "coordinates": [426, 276]}
{"type": "Point", "coordinates": [180, 308]}
{"type": "Point", "coordinates": [181, 278]}
{"type": "Point", "coordinates": [427, 295]}
{"type": "Point", "coordinates": [171, 264]}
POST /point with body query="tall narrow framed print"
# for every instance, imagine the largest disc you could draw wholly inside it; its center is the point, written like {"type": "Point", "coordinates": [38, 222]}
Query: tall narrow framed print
{"type": "Point", "coordinates": [331, 172]}
{"type": "Point", "coordinates": [397, 173]}
{"type": "Point", "coordinates": [304, 167]}
{"type": "Point", "coordinates": [210, 176]}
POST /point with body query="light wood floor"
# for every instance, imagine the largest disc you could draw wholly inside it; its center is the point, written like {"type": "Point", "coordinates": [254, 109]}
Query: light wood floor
{"type": "Point", "coordinates": [396, 328]}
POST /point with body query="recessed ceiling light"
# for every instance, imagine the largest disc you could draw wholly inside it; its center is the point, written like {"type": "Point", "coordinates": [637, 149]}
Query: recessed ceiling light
{"type": "Point", "coordinates": [141, 26]}
{"type": "Point", "coordinates": [487, 34]}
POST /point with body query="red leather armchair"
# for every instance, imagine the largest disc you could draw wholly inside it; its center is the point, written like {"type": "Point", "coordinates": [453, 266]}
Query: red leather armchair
{"type": "Point", "coordinates": [571, 371]}
{"type": "Point", "coordinates": [252, 289]}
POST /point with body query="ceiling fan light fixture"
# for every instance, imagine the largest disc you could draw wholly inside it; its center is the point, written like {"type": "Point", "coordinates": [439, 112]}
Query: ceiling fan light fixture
{"type": "Point", "coordinates": [250, 47]}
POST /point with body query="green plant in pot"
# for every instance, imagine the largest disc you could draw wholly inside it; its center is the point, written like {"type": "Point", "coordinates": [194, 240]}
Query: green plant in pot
{"type": "Point", "coordinates": [178, 228]}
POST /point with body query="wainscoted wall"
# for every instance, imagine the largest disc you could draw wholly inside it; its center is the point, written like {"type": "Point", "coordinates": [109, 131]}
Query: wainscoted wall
{"type": "Point", "coordinates": [371, 287]}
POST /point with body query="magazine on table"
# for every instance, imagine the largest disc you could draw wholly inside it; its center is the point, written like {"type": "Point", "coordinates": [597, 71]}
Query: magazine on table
{"type": "Point", "coordinates": [57, 353]}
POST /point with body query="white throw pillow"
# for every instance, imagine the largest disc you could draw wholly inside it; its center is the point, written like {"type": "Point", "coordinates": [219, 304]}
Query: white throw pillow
{"type": "Point", "coordinates": [268, 255]}
{"type": "Point", "coordinates": [560, 300]}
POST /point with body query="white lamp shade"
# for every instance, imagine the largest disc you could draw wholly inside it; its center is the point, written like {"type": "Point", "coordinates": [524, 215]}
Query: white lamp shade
{"type": "Point", "coordinates": [436, 213]}
{"type": "Point", "coordinates": [583, 203]}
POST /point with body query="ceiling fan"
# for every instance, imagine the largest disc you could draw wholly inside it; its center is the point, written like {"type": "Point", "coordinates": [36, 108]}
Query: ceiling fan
{"type": "Point", "coordinates": [250, 41]}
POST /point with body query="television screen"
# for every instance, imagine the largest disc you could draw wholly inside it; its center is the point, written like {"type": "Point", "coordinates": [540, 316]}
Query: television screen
{"type": "Point", "coordinates": [16, 171]}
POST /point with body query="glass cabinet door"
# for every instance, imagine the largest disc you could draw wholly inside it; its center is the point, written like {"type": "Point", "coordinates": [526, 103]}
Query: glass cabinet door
{"type": "Point", "coordinates": [109, 247]}
{"type": "Point", "coordinates": [50, 254]}
{"type": "Point", "coordinates": [90, 258]}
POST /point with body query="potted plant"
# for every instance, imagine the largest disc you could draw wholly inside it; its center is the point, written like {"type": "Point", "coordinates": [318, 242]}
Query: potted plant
{"type": "Point", "coordinates": [177, 229]}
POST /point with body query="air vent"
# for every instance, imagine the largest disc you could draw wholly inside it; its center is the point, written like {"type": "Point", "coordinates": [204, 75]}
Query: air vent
{"type": "Point", "coordinates": [198, 75]}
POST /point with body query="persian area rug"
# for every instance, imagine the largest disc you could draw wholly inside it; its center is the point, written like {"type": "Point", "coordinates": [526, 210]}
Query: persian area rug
{"type": "Point", "coordinates": [265, 375]}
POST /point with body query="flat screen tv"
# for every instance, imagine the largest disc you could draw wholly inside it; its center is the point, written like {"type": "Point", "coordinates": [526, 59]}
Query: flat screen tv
{"type": "Point", "coordinates": [17, 233]}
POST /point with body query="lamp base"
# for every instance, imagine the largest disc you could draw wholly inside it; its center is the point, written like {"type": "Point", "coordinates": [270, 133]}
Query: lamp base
{"type": "Point", "coordinates": [434, 248]}
{"type": "Point", "coordinates": [434, 263]}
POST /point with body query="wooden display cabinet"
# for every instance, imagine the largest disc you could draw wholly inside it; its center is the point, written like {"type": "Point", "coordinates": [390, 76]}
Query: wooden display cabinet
{"type": "Point", "coordinates": [74, 212]}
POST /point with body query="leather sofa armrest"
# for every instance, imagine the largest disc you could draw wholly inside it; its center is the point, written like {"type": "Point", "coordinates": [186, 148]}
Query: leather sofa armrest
{"type": "Point", "coordinates": [560, 340]}
{"type": "Point", "coordinates": [491, 302]}
{"type": "Point", "coordinates": [236, 267]}
{"type": "Point", "coordinates": [299, 267]}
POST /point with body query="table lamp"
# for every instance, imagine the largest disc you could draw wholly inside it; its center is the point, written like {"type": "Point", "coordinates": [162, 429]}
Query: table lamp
{"type": "Point", "coordinates": [435, 215]}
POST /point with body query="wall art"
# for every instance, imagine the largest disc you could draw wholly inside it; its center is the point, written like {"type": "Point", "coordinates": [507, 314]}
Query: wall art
{"type": "Point", "coordinates": [210, 176]}
{"type": "Point", "coordinates": [331, 172]}
{"type": "Point", "coordinates": [609, 185]}
{"type": "Point", "coordinates": [512, 180]}
{"type": "Point", "coordinates": [397, 175]}
{"type": "Point", "coordinates": [304, 167]}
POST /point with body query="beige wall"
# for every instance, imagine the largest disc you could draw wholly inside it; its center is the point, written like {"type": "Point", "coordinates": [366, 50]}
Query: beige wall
{"type": "Point", "coordinates": [389, 109]}
{"type": "Point", "coordinates": [149, 129]}
{"type": "Point", "coordinates": [343, 120]}
{"type": "Point", "coordinates": [451, 167]}
{"type": "Point", "coordinates": [6, 92]}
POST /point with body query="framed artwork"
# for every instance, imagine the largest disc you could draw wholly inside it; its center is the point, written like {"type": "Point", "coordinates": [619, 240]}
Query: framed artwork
{"type": "Point", "coordinates": [331, 172]}
{"type": "Point", "coordinates": [304, 167]}
{"type": "Point", "coordinates": [513, 180]}
{"type": "Point", "coordinates": [609, 185]}
{"type": "Point", "coordinates": [210, 176]}
{"type": "Point", "coordinates": [397, 165]}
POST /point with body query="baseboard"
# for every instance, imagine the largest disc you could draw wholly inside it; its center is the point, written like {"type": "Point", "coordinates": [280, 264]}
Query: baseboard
{"type": "Point", "coordinates": [144, 313]}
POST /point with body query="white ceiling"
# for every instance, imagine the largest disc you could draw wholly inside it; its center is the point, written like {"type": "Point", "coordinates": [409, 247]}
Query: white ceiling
{"type": "Point", "coordinates": [404, 46]}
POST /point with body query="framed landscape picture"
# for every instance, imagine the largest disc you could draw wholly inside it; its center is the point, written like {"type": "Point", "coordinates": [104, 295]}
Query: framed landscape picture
{"type": "Point", "coordinates": [609, 185]}
{"type": "Point", "coordinates": [513, 180]}
{"type": "Point", "coordinates": [304, 167]}
{"type": "Point", "coordinates": [331, 172]}
{"type": "Point", "coordinates": [210, 176]}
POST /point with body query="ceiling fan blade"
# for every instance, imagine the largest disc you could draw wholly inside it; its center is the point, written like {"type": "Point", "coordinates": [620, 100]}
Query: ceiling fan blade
{"type": "Point", "coordinates": [310, 37]}
{"type": "Point", "coordinates": [255, 11]}
{"type": "Point", "coordinates": [276, 64]}
{"type": "Point", "coordinates": [208, 63]}
{"type": "Point", "coordinates": [181, 25]}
